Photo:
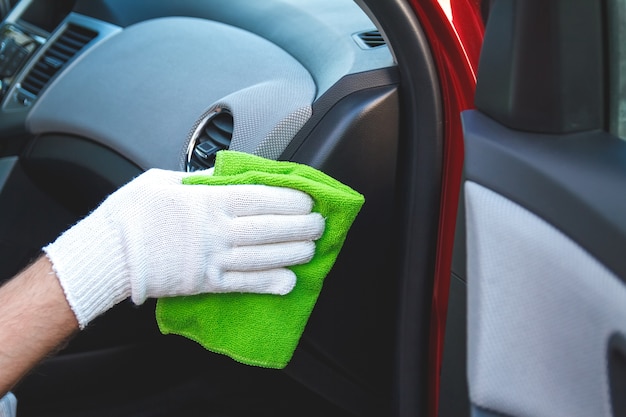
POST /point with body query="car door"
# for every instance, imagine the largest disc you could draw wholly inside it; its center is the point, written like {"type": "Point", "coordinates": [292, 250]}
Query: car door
{"type": "Point", "coordinates": [545, 174]}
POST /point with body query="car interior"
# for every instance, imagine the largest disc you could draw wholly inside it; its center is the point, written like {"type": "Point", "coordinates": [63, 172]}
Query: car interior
{"type": "Point", "coordinates": [544, 174]}
{"type": "Point", "coordinates": [96, 91]}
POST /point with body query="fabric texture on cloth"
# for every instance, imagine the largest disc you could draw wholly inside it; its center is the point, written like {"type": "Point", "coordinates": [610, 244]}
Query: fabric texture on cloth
{"type": "Point", "coordinates": [260, 329]}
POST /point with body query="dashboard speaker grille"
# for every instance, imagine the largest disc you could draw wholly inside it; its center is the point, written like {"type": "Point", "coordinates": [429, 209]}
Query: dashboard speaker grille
{"type": "Point", "coordinates": [65, 47]}
{"type": "Point", "coordinates": [210, 137]}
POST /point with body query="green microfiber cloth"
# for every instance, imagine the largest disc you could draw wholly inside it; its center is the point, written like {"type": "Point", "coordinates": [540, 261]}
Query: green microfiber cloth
{"type": "Point", "coordinates": [257, 329]}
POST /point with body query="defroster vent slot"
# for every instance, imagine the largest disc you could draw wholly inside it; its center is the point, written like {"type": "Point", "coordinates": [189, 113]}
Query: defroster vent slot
{"type": "Point", "coordinates": [66, 46]}
{"type": "Point", "coordinates": [370, 39]}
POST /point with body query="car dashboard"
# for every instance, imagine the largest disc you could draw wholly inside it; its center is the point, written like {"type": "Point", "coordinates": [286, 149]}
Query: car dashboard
{"type": "Point", "coordinates": [96, 91]}
{"type": "Point", "coordinates": [157, 67]}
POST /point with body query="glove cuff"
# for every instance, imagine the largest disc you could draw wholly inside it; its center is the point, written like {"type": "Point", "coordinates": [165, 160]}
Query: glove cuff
{"type": "Point", "coordinates": [88, 260]}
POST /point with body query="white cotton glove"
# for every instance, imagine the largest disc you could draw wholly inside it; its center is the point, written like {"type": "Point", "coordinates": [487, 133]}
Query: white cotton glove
{"type": "Point", "coordinates": [8, 405]}
{"type": "Point", "coordinates": [156, 237]}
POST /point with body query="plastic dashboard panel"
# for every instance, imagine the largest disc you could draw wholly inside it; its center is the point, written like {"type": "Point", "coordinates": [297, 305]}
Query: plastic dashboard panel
{"type": "Point", "coordinates": [155, 79]}
{"type": "Point", "coordinates": [318, 33]}
{"type": "Point", "coordinates": [286, 69]}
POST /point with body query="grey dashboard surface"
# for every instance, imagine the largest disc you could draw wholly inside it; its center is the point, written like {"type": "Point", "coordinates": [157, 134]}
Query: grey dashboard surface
{"type": "Point", "coordinates": [141, 91]}
{"type": "Point", "coordinates": [318, 33]}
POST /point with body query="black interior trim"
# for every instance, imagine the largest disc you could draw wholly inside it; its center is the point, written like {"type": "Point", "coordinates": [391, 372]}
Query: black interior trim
{"type": "Point", "coordinates": [13, 124]}
{"type": "Point", "coordinates": [454, 395]}
{"type": "Point", "coordinates": [79, 173]}
{"type": "Point", "coordinates": [331, 383]}
{"type": "Point", "coordinates": [459, 252]}
{"type": "Point", "coordinates": [30, 218]}
{"type": "Point", "coordinates": [542, 65]}
{"type": "Point", "coordinates": [349, 84]}
{"type": "Point", "coordinates": [561, 178]}
{"type": "Point", "coordinates": [176, 378]}
{"type": "Point", "coordinates": [13, 134]}
{"type": "Point", "coordinates": [418, 195]}
{"type": "Point", "coordinates": [357, 144]}
{"type": "Point", "coordinates": [616, 359]}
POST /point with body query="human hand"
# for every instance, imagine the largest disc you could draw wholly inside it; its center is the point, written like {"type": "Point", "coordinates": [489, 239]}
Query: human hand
{"type": "Point", "coordinates": [156, 237]}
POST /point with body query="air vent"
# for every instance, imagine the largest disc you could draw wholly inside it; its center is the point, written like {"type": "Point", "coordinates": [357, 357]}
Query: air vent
{"type": "Point", "coordinates": [65, 47]}
{"type": "Point", "coordinates": [370, 39]}
{"type": "Point", "coordinates": [211, 136]}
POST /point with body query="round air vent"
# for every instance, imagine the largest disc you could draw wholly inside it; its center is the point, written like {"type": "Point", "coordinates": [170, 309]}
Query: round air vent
{"type": "Point", "coordinates": [213, 134]}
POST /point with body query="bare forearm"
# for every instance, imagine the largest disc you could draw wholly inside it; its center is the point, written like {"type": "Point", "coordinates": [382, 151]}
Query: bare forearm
{"type": "Point", "coordinates": [35, 318]}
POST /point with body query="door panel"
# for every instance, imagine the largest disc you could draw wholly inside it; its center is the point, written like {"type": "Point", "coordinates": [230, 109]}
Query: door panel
{"type": "Point", "coordinates": [545, 216]}
{"type": "Point", "coordinates": [545, 245]}
{"type": "Point", "coordinates": [542, 313]}
{"type": "Point", "coordinates": [574, 181]}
